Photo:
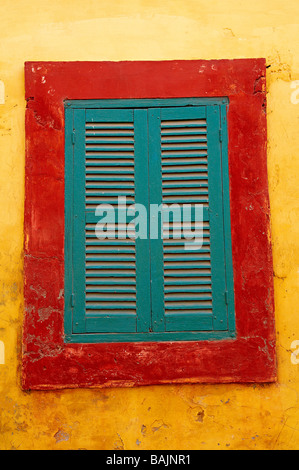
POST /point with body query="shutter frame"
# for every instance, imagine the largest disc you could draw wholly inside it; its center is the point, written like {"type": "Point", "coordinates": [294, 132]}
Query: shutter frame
{"type": "Point", "coordinates": [154, 321]}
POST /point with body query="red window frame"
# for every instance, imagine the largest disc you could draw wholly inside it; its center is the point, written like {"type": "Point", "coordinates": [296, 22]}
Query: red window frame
{"type": "Point", "coordinates": [50, 363]}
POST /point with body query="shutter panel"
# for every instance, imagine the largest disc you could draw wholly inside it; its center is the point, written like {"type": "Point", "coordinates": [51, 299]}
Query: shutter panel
{"type": "Point", "coordinates": [106, 279]}
{"type": "Point", "coordinates": [194, 281]}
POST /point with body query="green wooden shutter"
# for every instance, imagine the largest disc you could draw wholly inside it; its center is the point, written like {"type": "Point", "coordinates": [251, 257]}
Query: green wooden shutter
{"type": "Point", "coordinates": [185, 168]}
{"type": "Point", "coordinates": [148, 289]}
{"type": "Point", "coordinates": [110, 276]}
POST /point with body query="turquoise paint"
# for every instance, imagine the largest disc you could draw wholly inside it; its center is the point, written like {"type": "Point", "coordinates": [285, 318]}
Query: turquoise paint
{"type": "Point", "coordinates": [156, 245]}
{"type": "Point", "coordinates": [150, 322]}
{"type": "Point", "coordinates": [143, 280]}
{"type": "Point", "coordinates": [142, 103]}
{"type": "Point", "coordinates": [145, 337]}
{"type": "Point", "coordinates": [78, 267]}
{"type": "Point", "coordinates": [69, 206]}
{"type": "Point", "coordinates": [227, 221]}
{"type": "Point", "coordinates": [216, 219]}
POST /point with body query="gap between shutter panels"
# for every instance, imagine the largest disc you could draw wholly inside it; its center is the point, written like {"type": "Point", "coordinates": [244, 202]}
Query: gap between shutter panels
{"type": "Point", "coordinates": [110, 264]}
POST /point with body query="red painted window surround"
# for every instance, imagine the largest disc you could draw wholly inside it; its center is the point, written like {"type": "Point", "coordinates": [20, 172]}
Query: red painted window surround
{"type": "Point", "coordinates": [49, 363]}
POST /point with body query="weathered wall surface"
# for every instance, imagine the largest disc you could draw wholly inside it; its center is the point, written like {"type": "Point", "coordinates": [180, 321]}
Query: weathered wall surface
{"type": "Point", "coordinates": [160, 417]}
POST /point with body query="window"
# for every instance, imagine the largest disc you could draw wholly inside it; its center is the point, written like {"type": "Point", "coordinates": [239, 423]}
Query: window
{"type": "Point", "coordinates": [68, 106]}
{"type": "Point", "coordinates": [146, 287]}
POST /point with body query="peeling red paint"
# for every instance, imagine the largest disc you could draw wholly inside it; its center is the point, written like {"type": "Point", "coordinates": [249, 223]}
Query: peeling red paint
{"type": "Point", "coordinates": [47, 361]}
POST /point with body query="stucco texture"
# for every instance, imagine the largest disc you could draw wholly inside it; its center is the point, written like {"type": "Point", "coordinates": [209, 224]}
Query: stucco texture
{"type": "Point", "coordinates": [226, 416]}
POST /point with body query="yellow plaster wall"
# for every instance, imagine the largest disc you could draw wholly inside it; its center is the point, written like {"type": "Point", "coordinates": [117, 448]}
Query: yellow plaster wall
{"type": "Point", "coordinates": [160, 417]}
